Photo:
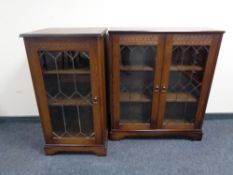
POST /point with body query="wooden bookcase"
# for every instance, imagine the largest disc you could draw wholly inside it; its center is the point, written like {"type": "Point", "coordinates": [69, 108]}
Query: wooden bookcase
{"type": "Point", "coordinates": [67, 69]}
{"type": "Point", "coordinates": [160, 80]}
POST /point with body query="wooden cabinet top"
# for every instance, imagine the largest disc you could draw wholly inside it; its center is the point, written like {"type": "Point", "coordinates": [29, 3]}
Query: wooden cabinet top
{"type": "Point", "coordinates": [163, 30]}
{"type": "Point", "coordinates": [66, 32]}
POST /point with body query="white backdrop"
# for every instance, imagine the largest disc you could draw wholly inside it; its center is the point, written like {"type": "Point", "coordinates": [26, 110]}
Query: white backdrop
{"type": "Point", "coordinates": [16, 92]}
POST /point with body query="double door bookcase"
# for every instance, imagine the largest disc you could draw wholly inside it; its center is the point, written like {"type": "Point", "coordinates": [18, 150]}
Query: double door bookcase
{"type": "Point", "coordinates": [160, 81]}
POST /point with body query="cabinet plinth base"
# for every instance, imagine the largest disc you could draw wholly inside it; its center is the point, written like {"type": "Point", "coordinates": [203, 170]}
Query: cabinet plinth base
{"type": "Point", "coordinates": [51, 149]}
{"type": "Point", "coordinates": [190, 134]}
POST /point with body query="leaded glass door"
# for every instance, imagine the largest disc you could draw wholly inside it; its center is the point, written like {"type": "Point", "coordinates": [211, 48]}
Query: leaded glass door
{"type": "Point", "coordinates": [137, 70]}
{"type": "Point", "coordinates": [70, 77]}
{"type": "Point", "coordinates": [185, 63]}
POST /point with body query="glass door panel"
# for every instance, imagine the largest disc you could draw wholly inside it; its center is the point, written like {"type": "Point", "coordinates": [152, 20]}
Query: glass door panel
{"type": "Point", "coordinates": [136, 83]}
{"type": "Point", "coordinates": [67, 83]}
{"type": "Point", "coordinates": [185, 82]}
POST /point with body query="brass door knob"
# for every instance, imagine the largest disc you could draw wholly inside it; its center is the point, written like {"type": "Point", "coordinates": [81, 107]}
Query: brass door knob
{"type": "Point", "coordinates": [156, 88]}
{"type": "Point", "coordinates": [95, 100]}
{"type": "Point", "coordinates": [164, 88]}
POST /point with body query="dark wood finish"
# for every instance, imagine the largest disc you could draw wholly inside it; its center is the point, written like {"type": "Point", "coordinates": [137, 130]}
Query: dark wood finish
{"type": "Point", "coordinates": [91, 40]}
{"type": "Point", "coordinates": [164, 79]}
{"type": "Point", "coordinates": [157, 78]}
{"type": "Point", "coordinates": [165, 40]}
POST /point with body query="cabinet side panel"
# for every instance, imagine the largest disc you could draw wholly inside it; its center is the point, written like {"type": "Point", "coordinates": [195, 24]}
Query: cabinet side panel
{"type": "Point", "coordinates": [115, 81]}
{"type": "Point", "coordinates": [39, 90]}
{"type": "Point", "coordinates": [102, 86]}
{"type": "Point", "coordinates": [207, 79]}
{"type": "Point", "coordinates": [110, 79]}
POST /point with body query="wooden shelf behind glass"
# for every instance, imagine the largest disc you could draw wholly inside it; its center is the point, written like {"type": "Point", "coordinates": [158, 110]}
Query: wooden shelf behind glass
{"type": "Point", "coordinates": [133, 97]}
{"type": "Point", "coordinates": [68, 102]}
{"type": "Point", "coordinates": [185, 68]}
{"type": "Point", "coordinates": [67, 71]}
{"type": "Point", "coordinates": [180, 97]}
{"type": "Point", "coordinates": [172, 68]}
{"type": "Point", "coordinates": [133, 121]}
{"type": "Point", "coordinates": [136, 68]}
{"type": "Point", "coordinates": [71, 135]}
{"type": "Point", "coordinates": [171, 97]}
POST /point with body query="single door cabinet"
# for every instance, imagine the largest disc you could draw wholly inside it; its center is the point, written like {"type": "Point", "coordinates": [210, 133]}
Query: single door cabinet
{"type": "Point", "coordinates": [67, 69]}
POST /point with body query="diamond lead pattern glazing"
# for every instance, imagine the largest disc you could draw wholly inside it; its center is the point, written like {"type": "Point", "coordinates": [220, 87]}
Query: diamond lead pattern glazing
{"type": "Point", "coordinates": [67, 83]}
{"type": "Point", "coordinates": [194, 58]}
{"type": "Point", "coordinates": [185, 81]}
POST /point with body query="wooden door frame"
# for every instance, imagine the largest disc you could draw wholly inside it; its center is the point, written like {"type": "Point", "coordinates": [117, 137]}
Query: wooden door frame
{"type": "Point", "coordinates": [212, 40]}
{"type": "Point", "coordinates": [115, 40]}
{"type": "Point", "coordinates": [33, 45]}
